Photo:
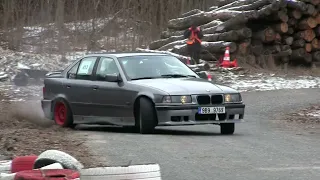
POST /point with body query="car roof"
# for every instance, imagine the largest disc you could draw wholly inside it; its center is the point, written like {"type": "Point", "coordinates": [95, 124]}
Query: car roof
{"type": "Point", "coordinates": [118, 55]}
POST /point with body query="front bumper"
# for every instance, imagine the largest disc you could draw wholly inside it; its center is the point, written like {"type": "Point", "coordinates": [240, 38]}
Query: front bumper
{"type": "Point", "coordinates": [188, 115]}
{"type": "Point", "coordinates": [46, 108]}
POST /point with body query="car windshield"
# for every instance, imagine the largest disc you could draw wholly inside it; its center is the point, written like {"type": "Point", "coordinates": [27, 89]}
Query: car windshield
{"type": "Point", "coordinates": [154, 66]}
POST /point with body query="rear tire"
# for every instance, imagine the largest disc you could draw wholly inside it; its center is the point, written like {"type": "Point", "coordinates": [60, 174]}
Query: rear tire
{"type": "Point", "coordinates": [227, 129]}
{"type": "Point", "coordinates": [146, 118]}
{"type": "Point", "coordinates": [62, 114]}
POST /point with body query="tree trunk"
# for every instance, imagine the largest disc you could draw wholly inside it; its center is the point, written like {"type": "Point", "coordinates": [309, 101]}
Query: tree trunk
{"type": "Point", "coordinates": [211, 24]}
{"type": "Point", "coordinates": [186, 22]}
{"type": "Point", "coordinates": [278, 38]}
{"type": "Point", "coordinates": [171, 45]}
{"type": "Point", "coordinates": [189, 13]}
{"type": "Point", "coordinates": [316, 56]}
{"type": "Point", "coordinates": [161, 42]}
{"type": "Point", "coordinates": [290, 31]}
{"type": "Point", "coordinates": [271, 49]}
{"type": "Point", "coordinates": [308, 47]}
{"type": "Point", "coordinates": [296, 4]}
{"type": "Point", "coordinates": [266, 35]}
{"type": "Point", "coordinates": [288, 40]}
{"type": "Point", "coordinates": [310, 9]}
{"type": "Point", "coordinates": [201, 67]}
{"type": "Point", "coordinates": [300, 43]}
{"type": "Point", "coordinates": [307, 35]}
{"type": "Point", "coordinates": [269, 9]}
{"type": "Point", "coordinates": [236, 4]}
{"type": "Point", "coordinates": [292, 22]}
{"type": "Point", "coordinates": [307, 23]}
{"type": "Point", "coordinates": [295, 14]}
{"type": "Point", "coordinates": [281, 15]}
{"type": "Point", "coordinates": [301, 54]}
{"type": "Point", "coordinates": [255, 5]}
{"type": "Point", "coordinates": [281, 28]}
{"type": "Point", "coordinates": [212, 47]}
{"type": "Point", "coordinates": [315, 44]}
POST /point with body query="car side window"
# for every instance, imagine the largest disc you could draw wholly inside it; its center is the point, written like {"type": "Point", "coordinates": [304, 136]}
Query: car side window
{"type": "Point", "coordinates": [106, 66]}
{"type": "Point", "coordinates": [85, 69]}
{"type": "Point", "coordinates": [73, 71]}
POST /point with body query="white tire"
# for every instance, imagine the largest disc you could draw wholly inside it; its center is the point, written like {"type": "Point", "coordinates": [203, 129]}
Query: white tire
{"type": "Point", "coordinates": [54, 156]}
{"type": "Point", "coordinates": [5, 166]}
{"type": "Point", "coordinates": [7, 176]}
{"type": "Point", "coordinates": [135, 172]}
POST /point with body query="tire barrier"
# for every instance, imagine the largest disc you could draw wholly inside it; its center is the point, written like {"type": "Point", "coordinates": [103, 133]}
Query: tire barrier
{"type": "Point", "coordinates": [145, 172]}
{"type": "Point", "coordinates": [23, 163]}
{"type": "Point", "coordinates": [57, 165]}
{"type": "Point", "coordinates": [54, 156]}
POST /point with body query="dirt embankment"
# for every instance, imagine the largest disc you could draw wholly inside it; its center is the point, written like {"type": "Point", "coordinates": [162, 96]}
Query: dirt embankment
{"type": "Point", "coordinates": [25, 131]}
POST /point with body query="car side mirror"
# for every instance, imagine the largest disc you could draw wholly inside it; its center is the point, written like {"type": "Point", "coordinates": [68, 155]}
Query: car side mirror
{"type": "Point", "coordinates": [113, 78]}
{"type": "Point", "coordinates": [202, 75]}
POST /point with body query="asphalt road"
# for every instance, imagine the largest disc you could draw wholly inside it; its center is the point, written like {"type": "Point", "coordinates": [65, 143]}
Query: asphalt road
{"type": "Point", "coordinates": [262, 148]}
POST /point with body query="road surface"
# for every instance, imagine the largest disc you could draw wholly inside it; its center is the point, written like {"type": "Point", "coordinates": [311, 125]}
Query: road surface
{"type": "Point", "coordinates": [261, 148]}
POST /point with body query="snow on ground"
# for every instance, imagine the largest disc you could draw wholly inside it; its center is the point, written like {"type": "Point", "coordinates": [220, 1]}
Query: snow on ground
{"type": "Point", "coordinates": [264, 82]}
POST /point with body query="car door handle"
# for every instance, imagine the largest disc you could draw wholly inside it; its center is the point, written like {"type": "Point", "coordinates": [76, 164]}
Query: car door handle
{"type": "Point", "coordinates": [95, 87]}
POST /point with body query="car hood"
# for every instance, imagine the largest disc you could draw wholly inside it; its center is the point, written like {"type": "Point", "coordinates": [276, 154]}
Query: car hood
{"type": "Point", "coordinates": [180, 86]}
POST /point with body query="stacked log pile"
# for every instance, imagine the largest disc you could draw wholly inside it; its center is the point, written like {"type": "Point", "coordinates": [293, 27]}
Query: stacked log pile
{"type": "Point", "coordinates": [262, 32]}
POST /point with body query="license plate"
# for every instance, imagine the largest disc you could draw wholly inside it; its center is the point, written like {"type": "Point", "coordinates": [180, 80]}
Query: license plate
{"type": "Point", "coordinates": [211, 110]}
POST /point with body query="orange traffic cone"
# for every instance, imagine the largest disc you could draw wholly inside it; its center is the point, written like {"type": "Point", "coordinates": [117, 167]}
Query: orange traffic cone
{"type": "Point", "coordinates": [226, 59]}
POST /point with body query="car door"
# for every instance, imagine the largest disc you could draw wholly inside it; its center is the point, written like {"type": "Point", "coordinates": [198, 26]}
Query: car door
{"type": "Point", "coordinates": [111, 99]}
{"type": "Point", "coordinates": [78, 86]}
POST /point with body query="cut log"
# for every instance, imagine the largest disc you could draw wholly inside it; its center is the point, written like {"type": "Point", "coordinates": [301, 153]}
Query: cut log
{"type": "Point", "coordinates": [251, 59]}
{"type": "Point", "coordinates": [192, 12]}
{"type": "Point", "coordinates": [301, 54]}
{"type": "Point", "coordinates": [266, 35]}
{"type": "Point", "coordinates": [296, 4]}
{"type": "Point", "coordinates": [224, 15]}
{"type": "Point", "coordinates": [317, 17]}
{"type": "Point", "coordinates": [161, 42]}
{"type": "Point", "coordinates": [290, 31]}
{"type": "Point", "coordinates": [236, 3]}
{"type": "Point", "coordinates": [228, 25]}
{"type": "Point", "coordinates": [292, 22]}
{"type": "Point", "coordinates": [288, 40]}
{"type": "Point", "coordinates": [277, 39]}
{"type": "Point", "coordinates": [285, 52]}
{"type": "Point", "coordinates": [271, 49]}
{"type": "Point", "coordinates": [233, 35]}
{"type": "Point", "coordinates": [309, 35]}
{"type": "Point", "coordinates": [310, 9]}
{"type": "Point", "coordinates": [256, 47]}
{"type": "Point", "coordinates": [186, 22]}
{"type": "Point", "coordinates": [316, 56]}
{"type": "Point", "coordinates": [255, 5]}
{"type": "Point", "coordinates": [243, 48]}
{"type": "Point", "coordinates": [307, 23]}
{"type": "Point", "coordinates": [300, 43]}
{"type": "Point", "coordinates": [317, 31]}
{"type": "Point", "coordinates": [281, 28]}
{"type": "Point", "coordinates": [295, 14]}
{"type": "Point", "coordinates": [315, 44]}
{"type": "Point", "coordinates": [280, 15]}
{"type": "Point", "coordinates": [314, 2]}
{"type": "Point", "coordinates": [212, 47]}
{"type": "Point", "coordinates": [211, 24]}
{"type": "Point", "coordinates": [308, 47]}
{"type": "Point", "coordinates": [171, 45]}
{"type": "Point", "coordinates": [269, 9]}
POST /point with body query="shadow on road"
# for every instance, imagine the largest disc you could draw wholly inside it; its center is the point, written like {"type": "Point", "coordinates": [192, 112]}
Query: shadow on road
{"type": "Point", "coordinates": [158, 131]}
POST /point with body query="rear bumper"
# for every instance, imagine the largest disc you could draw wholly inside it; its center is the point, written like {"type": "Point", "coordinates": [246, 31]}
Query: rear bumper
{"type": "Point", "coordinates": [188, 115]}
{"type": "Point", "coordinates": [46, 108]}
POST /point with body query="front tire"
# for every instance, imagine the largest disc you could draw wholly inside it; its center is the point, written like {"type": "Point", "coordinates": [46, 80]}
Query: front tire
{"type": "Point", "coordinates": [227, 129]}
{"type": "Point", "coordinates": [62, 114]}
{"type": "Point", "coordinates": [146, 119]}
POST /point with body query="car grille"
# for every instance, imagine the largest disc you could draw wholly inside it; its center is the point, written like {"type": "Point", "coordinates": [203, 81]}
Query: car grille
{"type": "Point", "coordinates": [203, 99]}
{"type": "Point", "coordinates": [206, 99]}
{"type": "Point", "coordinates": [216, 99]}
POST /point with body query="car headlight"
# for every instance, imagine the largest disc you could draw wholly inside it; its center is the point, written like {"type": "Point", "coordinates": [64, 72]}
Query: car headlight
{"type": "Point", "coordinates": [177, 99]}
{"type": "Point", "coordinates": [231, 98]}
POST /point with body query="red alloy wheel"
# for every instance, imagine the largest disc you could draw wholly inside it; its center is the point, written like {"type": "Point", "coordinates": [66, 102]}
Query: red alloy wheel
{"type": "Point", "coordinates": [60, 113]}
